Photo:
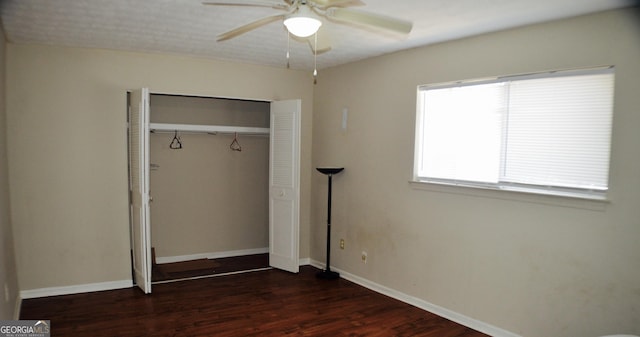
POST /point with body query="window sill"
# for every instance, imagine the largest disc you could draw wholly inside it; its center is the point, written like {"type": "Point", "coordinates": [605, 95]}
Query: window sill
{"type": "Point", "coordinates": [562, 199]}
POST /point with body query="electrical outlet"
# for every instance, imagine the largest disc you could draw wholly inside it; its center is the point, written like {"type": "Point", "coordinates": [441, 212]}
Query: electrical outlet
{"type": "Point", "coordinates": [341, 243]}
{"type": "Point", "coordinates": [364, 257]}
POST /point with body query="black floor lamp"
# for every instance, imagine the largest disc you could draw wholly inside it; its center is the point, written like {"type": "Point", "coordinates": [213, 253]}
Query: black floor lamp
{"type": "Point", "coordinates": [327, 273]}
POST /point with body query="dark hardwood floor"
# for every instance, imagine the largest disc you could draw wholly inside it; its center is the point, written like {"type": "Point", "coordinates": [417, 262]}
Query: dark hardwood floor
{"type": "Point", "coordinates": [261, 303]}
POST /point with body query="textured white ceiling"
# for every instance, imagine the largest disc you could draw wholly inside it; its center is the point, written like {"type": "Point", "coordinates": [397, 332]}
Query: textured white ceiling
{"type": "Point", "coordinates": [188, 27]}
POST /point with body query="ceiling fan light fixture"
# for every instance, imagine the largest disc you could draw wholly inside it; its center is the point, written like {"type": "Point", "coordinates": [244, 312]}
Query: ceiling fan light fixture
{"type": "Point", "coordinates": [302, 24]}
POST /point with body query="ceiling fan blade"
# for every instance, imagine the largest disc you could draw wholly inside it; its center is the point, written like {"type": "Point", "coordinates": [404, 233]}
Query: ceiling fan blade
{"type": "Point", "coordinates": [324, 42]}
{"type": "Point", "coordinates": [324, 4]}
{"type": "Point", "coordinates": [249, 3]}
{"type": "Point", "coordinates": [248, 27]}
{"type": "Point", "coordinates": [370, 19]}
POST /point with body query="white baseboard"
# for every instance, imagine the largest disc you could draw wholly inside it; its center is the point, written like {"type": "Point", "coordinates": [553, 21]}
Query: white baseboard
{"type": "Point", "coordinates": [75, 289]}
{"type": "Point", "coordinates": [317, 264]}
{"type": "Point", "coordinates": [214, 255]}
{"type": "Point", "coordinates": [304, 261]}
{"type": "Point", "coordinates": [422, 304]}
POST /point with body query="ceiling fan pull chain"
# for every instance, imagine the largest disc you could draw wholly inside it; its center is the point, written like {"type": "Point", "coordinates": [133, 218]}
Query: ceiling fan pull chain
{"type": "Point", "coordinates": [315, 59]}
{"type": "Point", "coordinates": [288, 47]}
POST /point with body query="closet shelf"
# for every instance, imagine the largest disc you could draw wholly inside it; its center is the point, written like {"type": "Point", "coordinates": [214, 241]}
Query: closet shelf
{"type": "Point", "coordinates": [208, 128]}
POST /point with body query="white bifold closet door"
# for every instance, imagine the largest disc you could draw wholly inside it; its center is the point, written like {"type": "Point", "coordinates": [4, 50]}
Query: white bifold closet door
{"type": "Point", "coordinates": [284, 185]}
{"type": "Point", "coordinates": [139, 175]}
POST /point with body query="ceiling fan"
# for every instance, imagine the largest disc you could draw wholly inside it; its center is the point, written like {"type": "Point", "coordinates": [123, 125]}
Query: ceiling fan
{"type": "Point", "coordinates": [303, 19]}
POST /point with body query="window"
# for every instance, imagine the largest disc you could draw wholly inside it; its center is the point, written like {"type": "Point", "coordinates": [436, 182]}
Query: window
{"type": "Point", "coordinates": [545, 133]}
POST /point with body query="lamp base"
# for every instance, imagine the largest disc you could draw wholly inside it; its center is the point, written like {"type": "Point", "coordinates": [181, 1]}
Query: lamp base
{"type": "Point", "coordinates": [327, 275]}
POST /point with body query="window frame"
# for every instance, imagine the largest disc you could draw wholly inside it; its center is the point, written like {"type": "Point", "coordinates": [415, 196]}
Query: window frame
{"type": "Point", "coordinates": [562, 191]}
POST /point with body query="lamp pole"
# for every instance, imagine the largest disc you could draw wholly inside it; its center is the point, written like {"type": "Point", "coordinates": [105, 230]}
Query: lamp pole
{"type": "Point", "coordinates": [327, 273]}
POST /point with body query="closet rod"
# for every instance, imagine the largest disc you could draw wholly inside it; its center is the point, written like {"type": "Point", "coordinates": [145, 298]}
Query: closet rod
{"type": "Point", "coordinates": [208, 128]}
{"type": "Point", "coordinates": [248, 134]}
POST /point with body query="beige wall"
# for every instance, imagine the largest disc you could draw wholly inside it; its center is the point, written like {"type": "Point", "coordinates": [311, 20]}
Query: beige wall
{"type": "Point", "coordinates": [206, 197]}
{"type": "Point", "coordinates": [66, 114]}
{"type": "Point", "coordinates": [535, 266]}
{"type": "Point", "coordinates": [8, 275]}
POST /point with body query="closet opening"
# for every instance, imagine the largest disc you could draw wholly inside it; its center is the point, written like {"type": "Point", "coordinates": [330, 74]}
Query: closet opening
{"type": "Point", "coordinates": [210, 187]}
{"type": "Point", "coordinates": [214, 186]}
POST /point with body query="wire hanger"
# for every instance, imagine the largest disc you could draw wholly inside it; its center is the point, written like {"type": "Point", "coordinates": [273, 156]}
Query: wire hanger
{"type": "Point", "coordinates": [176, 143]}
{"type": "Point", "coordinates": [235, 146]}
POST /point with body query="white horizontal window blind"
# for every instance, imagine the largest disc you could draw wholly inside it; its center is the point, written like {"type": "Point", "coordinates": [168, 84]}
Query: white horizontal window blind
{"type": "Point", "coordinates": [559, 131]}
{"type": "Point", "coordinates": [547, 133]}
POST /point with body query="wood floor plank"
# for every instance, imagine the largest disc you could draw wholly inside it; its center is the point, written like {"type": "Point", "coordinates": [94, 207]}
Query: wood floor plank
{"type": "Point", "coordinates": [264, 303]}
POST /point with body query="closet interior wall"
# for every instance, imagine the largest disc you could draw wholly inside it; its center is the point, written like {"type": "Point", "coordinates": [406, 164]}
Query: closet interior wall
{"type": "Point", "coordinates": [207, 198]}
